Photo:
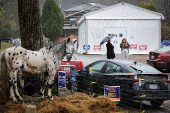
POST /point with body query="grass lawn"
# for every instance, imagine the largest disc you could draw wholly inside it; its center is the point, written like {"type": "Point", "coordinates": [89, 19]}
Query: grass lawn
{"type": "Point", "coordinates": [5, 45]}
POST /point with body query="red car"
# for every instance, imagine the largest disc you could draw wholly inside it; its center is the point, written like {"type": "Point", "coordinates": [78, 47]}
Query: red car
{"type": "Point", "coordinates": [65, 66]}
{"type": "Point", "coordinates": [160, 58]}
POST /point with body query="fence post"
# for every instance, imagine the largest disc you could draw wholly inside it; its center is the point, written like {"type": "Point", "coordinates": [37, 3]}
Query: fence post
{"type": "Point", "coordinates": [56, 82]}
{"type": "Point", "coordinates": [141, 96]}
{"type": "Point", "coordinates": [30, 109]}
{"type": "Point", "coordinates": [91, 83]}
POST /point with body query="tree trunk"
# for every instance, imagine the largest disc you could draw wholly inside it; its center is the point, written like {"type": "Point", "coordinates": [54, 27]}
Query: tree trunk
{"type": "Point", "coordinates": [30, 24]}
{"type": "Point", "coordinates": [30, 27]}
{"type": "Point", "coordinates": [167, 11]}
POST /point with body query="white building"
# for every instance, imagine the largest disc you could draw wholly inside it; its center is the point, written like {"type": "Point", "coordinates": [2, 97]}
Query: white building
{"type": "Point", "coordinates": [141, 28]}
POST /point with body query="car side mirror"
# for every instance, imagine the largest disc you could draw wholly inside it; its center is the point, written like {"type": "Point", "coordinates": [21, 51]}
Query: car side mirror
{"type": "Point", "coordinates": [87, 69]}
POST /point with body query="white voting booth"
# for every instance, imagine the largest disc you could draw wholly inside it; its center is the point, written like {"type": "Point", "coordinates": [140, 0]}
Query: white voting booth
{"type": "Point", "coordinates": [141, 28]}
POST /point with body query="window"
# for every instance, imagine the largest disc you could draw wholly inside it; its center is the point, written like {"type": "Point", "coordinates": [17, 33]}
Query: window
{"type": "Point", "coordinates": [120, 35]}
{"type": "Point", "coordinates": [143, 69]}
{"type": "Point", "coordinates": [164, 49]}
{"type": "Point", "coordinates": [68, 33]}
{"type": "Point", "coordinates": [111, 68]}
{"type": "Point", "coordinates": [97, 66]}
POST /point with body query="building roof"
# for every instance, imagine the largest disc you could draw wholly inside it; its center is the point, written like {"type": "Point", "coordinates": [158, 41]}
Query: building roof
{"type": "Point", "coordinates": [85, 7]}
{"type": "Point", "coordinates": [122, 11]}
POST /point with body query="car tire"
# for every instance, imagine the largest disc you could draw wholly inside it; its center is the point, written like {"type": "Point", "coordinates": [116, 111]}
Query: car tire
{"type": "Point", "coordinates": [74, 87]}
{"type": "Point", "coordinates": [156, 102]}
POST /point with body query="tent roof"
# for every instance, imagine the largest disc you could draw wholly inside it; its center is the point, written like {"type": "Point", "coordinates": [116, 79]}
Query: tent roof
{"type": "Point", "coordinates": [122, 11]}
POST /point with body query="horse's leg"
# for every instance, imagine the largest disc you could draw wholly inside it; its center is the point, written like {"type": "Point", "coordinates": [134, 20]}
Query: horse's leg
{"type": "Point", "coordinates": [20, 73]}
{"type": "Point", "coordinates": [15, 84]}
{"type": "Point", "coordinates": [12, 95]}
{"type": "Point", "coordinates": [43, 88]}
{"type": "Point", "coordinates": [50, 83]}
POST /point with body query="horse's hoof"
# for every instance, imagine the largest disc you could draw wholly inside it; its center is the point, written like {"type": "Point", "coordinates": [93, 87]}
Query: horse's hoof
{"type": "Point", "coordinates": [51, 98]}
{"type": "Point", "coordinates": [15, 100]}
{"type": "Point", "coordinates": [42, 96]}
{"type": "Point", "coordinates": [20, 98]}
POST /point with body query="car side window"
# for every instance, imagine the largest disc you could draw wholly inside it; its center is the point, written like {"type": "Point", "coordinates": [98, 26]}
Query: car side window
{"type": "Point", "coordinates": [112, 68]}
{"type": "Point", "coordinates": [97, 66]}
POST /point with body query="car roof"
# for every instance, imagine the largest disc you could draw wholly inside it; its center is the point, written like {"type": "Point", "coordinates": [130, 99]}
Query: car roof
{"type": "Point", "coordinates": [126, 62]}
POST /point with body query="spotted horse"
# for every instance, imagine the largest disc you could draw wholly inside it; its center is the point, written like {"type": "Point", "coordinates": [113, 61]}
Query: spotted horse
{"type": "Point", "coordinates": [46, 60]}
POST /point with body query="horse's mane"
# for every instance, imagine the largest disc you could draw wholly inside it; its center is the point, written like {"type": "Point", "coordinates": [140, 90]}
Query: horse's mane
{"type": "Point", "coordinates": [57, 46]}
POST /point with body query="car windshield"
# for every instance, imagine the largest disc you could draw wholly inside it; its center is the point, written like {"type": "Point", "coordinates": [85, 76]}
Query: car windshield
{"type": "Point", "coordinates": [73, 58]}
{"type": "Point", "coordinates": [164, 49]}
{"type": "Point", "coordinates": [143, 69]}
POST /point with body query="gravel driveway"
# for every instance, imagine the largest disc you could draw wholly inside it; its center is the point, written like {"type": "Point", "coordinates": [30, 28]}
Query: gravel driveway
{"type": "Point", "coordinates": [87, 59]}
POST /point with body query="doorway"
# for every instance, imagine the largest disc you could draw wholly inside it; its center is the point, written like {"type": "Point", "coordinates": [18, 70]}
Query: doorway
{"type": "Point", "coordinates": [121, 33]}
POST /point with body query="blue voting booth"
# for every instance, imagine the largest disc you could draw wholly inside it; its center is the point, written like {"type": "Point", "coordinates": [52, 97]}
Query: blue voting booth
{"type": "Point", "coordinates": [61, 79]}
{"type": "Point", "coordinates": [72, 74]}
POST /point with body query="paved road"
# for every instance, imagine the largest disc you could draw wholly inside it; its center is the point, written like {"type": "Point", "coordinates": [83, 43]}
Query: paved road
{"type": "Point", "coordinates": [87, 59]}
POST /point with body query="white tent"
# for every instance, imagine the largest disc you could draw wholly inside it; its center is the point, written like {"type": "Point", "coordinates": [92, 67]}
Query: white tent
{"type": "Point", "coordinates": [141, 28]}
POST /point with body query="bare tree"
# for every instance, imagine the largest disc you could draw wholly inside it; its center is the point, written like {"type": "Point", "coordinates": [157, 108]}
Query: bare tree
{"type": "Point", "coordinates": [167, 11]}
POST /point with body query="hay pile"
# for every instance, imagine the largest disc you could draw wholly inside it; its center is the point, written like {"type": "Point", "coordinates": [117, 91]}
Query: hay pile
{"type": "Point", "coordinates": [76, 103]}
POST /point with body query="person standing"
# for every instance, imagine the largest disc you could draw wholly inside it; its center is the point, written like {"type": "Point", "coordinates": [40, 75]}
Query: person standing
{"type": "Point", "coordinates": [110, 50]}
{"type": "Point", "coordinates": [124, 45]}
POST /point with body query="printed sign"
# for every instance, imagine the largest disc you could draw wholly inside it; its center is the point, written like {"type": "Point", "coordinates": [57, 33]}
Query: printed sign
{"type": "Point", "coordinates": [72, 74]}
{"type": "Point", "coordinates": [142, 47]}
{"type": "Point", "coordinates": [133, 46]}
{"type": "Point", "coordinates": [86, 47]}
{"type": "Point", "coordinates": [97, 47]}
{"type": "Point", "coordinates": [61, 79]}
{"type": "Point", "coordinates": [113, 92]}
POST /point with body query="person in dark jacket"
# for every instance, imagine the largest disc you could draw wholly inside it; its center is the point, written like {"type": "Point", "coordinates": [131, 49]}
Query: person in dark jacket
{"type": "Point", "coordinates": [110, 50]}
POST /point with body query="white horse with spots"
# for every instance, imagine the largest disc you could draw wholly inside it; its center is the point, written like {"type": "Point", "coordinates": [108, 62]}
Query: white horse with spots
{"type": "Point", "coordinates": [46, 60]}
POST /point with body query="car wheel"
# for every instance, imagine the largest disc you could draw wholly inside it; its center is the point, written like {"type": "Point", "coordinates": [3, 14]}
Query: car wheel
{"type": "Point", "coordinates": [156, 102]}
{"type": "Point", "coordinates": [74, 87]}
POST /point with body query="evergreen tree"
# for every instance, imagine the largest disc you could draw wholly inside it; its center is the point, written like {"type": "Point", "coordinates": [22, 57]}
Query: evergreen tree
{"type": "Point", "coordinates": [150, 6]}
{"type": "Point", "coordinates": [52, 19]}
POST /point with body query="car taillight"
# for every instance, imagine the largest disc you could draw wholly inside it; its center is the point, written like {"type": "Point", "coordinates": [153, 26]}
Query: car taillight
{"type": "Point", "coordinates": [135, 79]}
{"type": "Point", "coordinates": [160, 56]}
{"type": "Point", "coordinates": [168, 79]}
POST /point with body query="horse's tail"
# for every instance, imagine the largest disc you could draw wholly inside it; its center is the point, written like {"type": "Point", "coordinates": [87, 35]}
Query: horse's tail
{"type": "Point", "coordinates": [3, 60]}
{"type": "Point", "coordinates": [4, 78]}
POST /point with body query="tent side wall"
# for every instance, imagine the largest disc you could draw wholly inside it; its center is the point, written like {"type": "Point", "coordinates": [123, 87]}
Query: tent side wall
{"type": "Point", "coordinates": [140, 32]}
{"type": "Point", "coordinates": [82, 37]}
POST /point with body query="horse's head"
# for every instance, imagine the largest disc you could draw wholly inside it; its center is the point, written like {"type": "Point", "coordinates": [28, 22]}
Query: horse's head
{"type": "Point", "coordinates": [69, 49]}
